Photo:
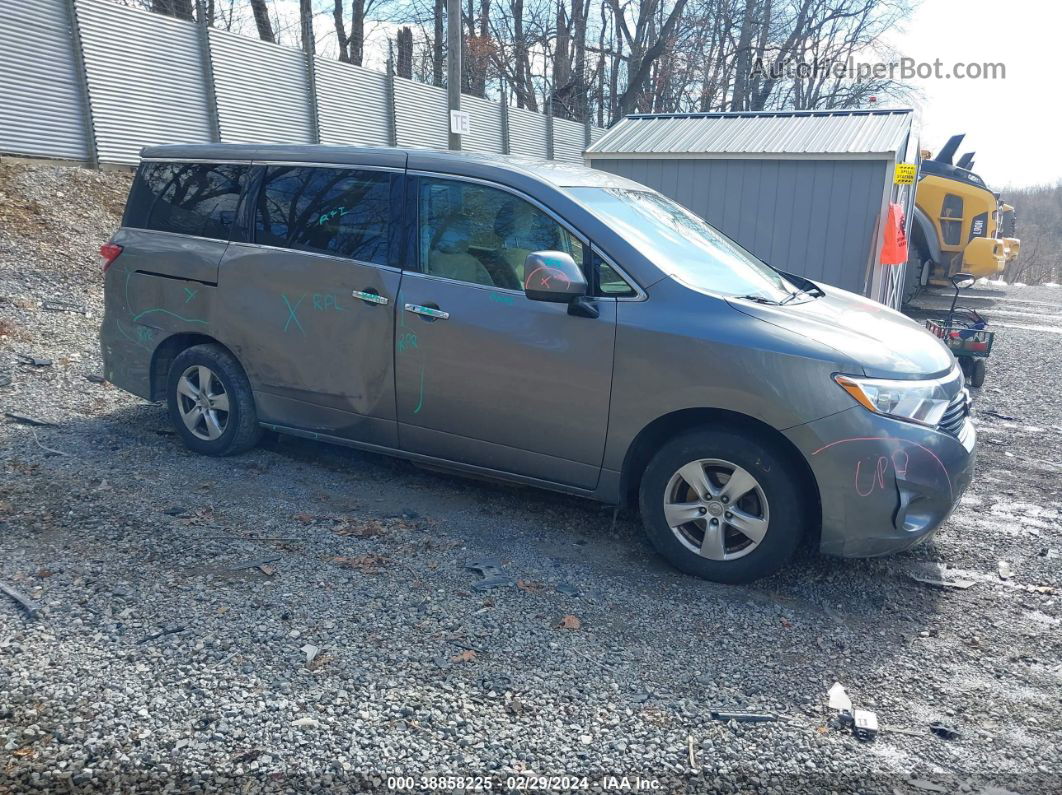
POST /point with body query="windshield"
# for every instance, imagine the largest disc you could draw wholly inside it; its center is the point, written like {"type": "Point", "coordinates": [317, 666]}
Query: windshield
{"type": "Point", "coordinates": [683, 245]}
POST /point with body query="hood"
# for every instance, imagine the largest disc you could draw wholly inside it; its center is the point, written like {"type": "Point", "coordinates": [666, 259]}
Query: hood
{"type": "Point", "coordinates": [883, 342]}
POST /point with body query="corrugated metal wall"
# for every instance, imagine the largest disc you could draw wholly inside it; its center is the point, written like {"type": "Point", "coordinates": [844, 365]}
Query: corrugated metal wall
{"type": "Point", "coordinates": [42, 112]}
{"type": "Point", "coordinates": [262, 89]}
{"type": "Point", "coordinates": [486, 121]}
{"type": "Point", "coordinates": [568, 137]}
{"type": "Point", "coordinates": [352, 104]}
{"type": "Point", "coordinates": [815, 218]}
{"type": "Point", "coordinates": [147, 90]}
{"type": "Point", "coordinates": [147, 78]}
{"type": "Point", "coordinates": [527, 133]}
{"type": "Point", "coordinates": [422, 114]}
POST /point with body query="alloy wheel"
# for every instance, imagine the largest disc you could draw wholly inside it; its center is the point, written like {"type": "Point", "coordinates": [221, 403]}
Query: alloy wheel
{"type": "Point", "coordinates": [203, 402]}
{"type": "Point", "coordinates": [716, 509]}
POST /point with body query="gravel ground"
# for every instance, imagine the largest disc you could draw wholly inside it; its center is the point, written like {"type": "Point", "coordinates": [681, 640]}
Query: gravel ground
{"type": "Point", "coordinates": [362, 649]}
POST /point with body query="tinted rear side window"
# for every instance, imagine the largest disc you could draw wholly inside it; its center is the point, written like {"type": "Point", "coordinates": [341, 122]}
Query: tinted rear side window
{"type": "Point", "coordinates": [344, 212]}
{"type": "Point", "coordinates": [188, 198]}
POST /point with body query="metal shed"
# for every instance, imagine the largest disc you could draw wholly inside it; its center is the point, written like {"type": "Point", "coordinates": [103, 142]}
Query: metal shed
{"type": "Point", "coordinates": [806, 191]}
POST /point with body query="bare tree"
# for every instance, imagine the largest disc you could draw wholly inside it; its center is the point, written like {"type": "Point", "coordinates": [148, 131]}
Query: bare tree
{"type": "Point", "coordinates": [262, 20]}
{"type": "Point", "coordinates": [182, 9]}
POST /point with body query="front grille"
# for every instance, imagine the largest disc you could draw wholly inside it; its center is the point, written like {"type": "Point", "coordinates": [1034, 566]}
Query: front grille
{"type": "Point", "coordinates": [955, 416]}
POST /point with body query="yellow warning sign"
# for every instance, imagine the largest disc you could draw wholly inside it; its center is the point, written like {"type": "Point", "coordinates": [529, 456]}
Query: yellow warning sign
{"type": "Point", "coordinates": [905, 174]}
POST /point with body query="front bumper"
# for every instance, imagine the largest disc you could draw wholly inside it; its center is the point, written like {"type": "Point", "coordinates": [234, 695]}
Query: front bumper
{"type": "Point", "coordinates": [884, 484]}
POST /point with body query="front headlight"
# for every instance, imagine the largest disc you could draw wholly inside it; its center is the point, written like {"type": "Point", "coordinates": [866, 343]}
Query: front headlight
{"type": "Point", "coordinates": [923, 402]}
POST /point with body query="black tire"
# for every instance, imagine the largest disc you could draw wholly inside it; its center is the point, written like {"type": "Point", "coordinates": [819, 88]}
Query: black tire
{"type": "Point", "coordinates": [240, 431]}
{"type": "Point", "coordinates": [978, 372]}
{"type": "Point", "coordinates": [776, 478]}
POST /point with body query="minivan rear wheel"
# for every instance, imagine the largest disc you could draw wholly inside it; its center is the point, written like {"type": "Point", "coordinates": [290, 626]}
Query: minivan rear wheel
{"type": "Point", "coordinates": [210, 402]}
{"type": "Point", "coordinates": [722, 505]}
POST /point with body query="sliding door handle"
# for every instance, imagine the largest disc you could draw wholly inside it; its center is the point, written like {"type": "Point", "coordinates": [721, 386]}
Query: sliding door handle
{"type": "Point", "coordinates": [369, 296]}
{"type": "Point", "coordinates": [430, 312]}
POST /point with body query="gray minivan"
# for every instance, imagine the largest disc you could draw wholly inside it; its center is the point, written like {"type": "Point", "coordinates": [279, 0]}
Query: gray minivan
{"type": "Point", "coordinates": [536, 322]}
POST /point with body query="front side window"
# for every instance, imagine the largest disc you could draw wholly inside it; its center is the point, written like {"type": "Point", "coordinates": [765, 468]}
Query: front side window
{"type": "Point", "coordinates": [474, 233]}
{"type": "Point", "coordinates": [187, 198]}
{"type": "Point", "coordinates": [344, 212]}
{"type": "Point", "coordinates": [682, 244]}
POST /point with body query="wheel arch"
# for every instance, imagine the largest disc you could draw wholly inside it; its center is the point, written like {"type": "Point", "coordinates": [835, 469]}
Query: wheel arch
{"type": "Point", "coordinates": [663, 429]}
{"type": "Point", "coordinates": [168, 350]}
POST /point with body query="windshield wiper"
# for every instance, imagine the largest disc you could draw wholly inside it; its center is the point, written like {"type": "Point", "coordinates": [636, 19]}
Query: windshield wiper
{"type": "Point", "coordinates": [802, 291]}
{"type": "Point", "coordinates": [759, 299]}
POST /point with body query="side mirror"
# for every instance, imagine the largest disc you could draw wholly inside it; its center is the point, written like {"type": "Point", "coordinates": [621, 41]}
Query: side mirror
{"type": "Point", "coordinates": [963, 280]}
{"type": "Point", "coordinates": [552, 276]}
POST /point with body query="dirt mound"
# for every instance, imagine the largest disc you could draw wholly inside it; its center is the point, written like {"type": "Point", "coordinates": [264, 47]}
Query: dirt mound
{"type": "Point", "coordinates": [52, 222]}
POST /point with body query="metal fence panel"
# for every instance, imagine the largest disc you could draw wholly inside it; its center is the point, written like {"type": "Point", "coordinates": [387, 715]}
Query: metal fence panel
{"type": "Point", "coordinates": [147, 83]}
{"type": "Point", "coordinates": [568, 137]}
{"type": "Point", "coordinates": [527, 133]}
{"type": "Point", "coordinates": [486, 123]}
{"type": "Point", "coordinates": [262, 89]}
{"type": "Point", "coordinates": [352, 104]}
{"type": "Point", "coordinates": [423, 115]}
{"type": "Point", "coordinates": [145, 80]}
{"type": "Point", "coordinates": [42, 111]}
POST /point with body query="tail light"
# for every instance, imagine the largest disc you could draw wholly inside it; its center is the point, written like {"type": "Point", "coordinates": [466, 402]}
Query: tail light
{"type": "Point", "coordinates": [108, 254]}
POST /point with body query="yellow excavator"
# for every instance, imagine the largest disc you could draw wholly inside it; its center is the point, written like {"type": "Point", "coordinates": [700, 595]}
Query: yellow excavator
{"type": "Point", "coordinates": [958, 225]}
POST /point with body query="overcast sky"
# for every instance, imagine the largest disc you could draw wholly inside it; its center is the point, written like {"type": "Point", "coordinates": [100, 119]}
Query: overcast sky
{"type": "Point", "coordinates": [1015, 125]}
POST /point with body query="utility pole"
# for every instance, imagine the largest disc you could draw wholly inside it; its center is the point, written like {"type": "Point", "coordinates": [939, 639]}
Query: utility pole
{"type": "Point", "coordinates": [453, 65]}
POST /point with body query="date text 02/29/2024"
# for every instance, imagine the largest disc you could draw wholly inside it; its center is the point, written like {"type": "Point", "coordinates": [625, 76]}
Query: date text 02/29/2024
{"type": "Point", "coordinates": [521, 783]}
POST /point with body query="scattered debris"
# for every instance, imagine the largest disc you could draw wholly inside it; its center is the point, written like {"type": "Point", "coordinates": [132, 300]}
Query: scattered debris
{"type": "Point", "coordinates": [366, 564]}
{"type": "Point", "coordinates": [493, 575]}
{"type": "Point", "coordinates": [944, 731]}
{"type": "Point", "coordinates": [464, 657]}
{"type": "Point", "coordinates": [54, 305]}
{"type": "Point", "coordinates": [743, 717]}
{"type": "Point", "coordinates": [998, 416]}
{"type": "Point", "coordinates": [46, 448]}
{"type": "Point", "coordinates": [839, 699]}
{"type": "Point", "coordinates": [1006, 571]}
{"type": "Point", "coordinates": [568, 589]}
{"type": "Point", "coordinates": [96, 379]}
{"type": "Point", "coordinates": [169, 630]}
{"type": "Point", "coordinates": [693, 755]}
{"type": "Point", "coordinates": [864, 725]}
{"type": "Point", "coordinates": [33, 361]}
{"type": "Point", "coordinates": [530, 586]}
{"type": "Point", "coordinates": [311, 652]}
{"type": "Point", "coordinates": [27, 604]}
{"type": "Point", "coordinates": [937, 582]}
{"type": "Point", "coordinates": [569, 622]}
{"type": "Point", "coordinates": [267, 570]}
{"type": "Point", "coordinates": [497, 683]}
{"type": "Point", "coordinates": [25, 420]}
{"type": "Point", "coordinates": [928, 786]}
{"type": "Point", "coordinates": [306, 723]}
{"type": "Point", "coordinates": [254, 564]}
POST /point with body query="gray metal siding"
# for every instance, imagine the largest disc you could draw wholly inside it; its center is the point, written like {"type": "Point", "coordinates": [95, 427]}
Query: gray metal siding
{"type": "Point", "coordinates": [262, 89]}
{"type": "Point", "coordinates": [422, 113]}
{"type": "Point", "coordinates": [41, 107]}
{"type": "Point", "coordinates": [486, 122]}
{"type": "Point", "coordinates": [527, 133]}
{"type": "Point", "coordinates": [813, 218]}
{"type": "Point", "coordinates": [352, 104]}
{"type": "Point", "coordinates": [568, 137]}
{"type": "Point", "coordinates": [147, 90]}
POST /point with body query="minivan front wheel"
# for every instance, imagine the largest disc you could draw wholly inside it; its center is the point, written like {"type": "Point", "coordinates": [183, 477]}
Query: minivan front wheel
{"type": "Point", "coordinates": [210, 402]}
{"type": "Point", "coordinates": [723, 506]}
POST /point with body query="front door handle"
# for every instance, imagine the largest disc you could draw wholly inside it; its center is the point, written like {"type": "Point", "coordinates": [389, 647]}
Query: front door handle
{"type": "Point", "coordinates": [369, 296]}
{"type": "Point", "coordinates": [427, 311]}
